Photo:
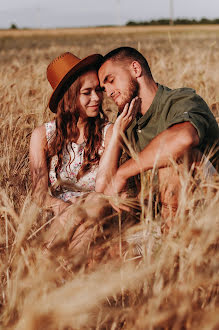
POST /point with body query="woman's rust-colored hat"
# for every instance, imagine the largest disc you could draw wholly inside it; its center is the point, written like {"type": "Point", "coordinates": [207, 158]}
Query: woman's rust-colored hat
{"type": "Point", "coordinates": [64, 67]}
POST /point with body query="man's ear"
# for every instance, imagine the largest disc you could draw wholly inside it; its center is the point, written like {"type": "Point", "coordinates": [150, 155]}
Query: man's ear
{"type": "Point", "coordinates": [136, 69]}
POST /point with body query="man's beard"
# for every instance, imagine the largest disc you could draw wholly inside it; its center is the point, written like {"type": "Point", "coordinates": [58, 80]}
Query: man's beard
{"type": "Point", "coordinates": [129, 94]}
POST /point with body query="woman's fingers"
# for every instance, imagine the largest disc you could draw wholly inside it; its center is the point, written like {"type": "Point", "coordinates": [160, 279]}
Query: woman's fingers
{"type": "Point", "coordinates": [120, 207]}
{"type": "Point", "coordinates": [121, 116]}
{"type": "Point", "coordinates": [127, 115]}
{"type": "Point", "coordinates": [134, 106]}
{"type": "Point", "coordinates": [132, 103]}
{"type": "Point", "coordinates": [124, 111]}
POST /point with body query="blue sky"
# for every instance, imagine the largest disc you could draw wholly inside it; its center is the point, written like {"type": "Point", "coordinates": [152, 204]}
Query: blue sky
{"type": "Point", "coordinates": [75, 13]}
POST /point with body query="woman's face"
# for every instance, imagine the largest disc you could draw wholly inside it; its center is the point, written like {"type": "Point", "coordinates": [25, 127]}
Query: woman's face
{"type": "Point", "coordinates": [90, 95]}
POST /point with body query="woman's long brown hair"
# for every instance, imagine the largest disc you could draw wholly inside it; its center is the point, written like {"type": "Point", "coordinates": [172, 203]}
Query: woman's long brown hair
{"type": "Point", "coordinates": [67, 131]}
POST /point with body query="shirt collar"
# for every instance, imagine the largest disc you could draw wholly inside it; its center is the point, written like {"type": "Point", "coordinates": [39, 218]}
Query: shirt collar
{"type": "Point", "coordinates": [141, 122]}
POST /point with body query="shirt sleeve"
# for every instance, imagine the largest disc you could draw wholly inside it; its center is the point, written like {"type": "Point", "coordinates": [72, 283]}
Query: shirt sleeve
{"type": "Point", "coordinates": [190, 108]}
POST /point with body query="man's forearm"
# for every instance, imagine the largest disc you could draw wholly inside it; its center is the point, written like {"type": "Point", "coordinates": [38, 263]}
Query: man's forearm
{"type": "Point", "coordinates": [167, 146]}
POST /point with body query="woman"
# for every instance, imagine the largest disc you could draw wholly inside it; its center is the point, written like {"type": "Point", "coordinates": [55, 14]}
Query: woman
{"type": "Point", "coordinates": [65, 153]}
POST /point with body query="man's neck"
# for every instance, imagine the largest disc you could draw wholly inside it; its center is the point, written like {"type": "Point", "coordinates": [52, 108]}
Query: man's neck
{"type": "Point", "coordinates": [147, 92]}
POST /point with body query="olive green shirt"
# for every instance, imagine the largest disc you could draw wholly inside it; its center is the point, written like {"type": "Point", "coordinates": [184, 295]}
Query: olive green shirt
{"type": "Point", "coordinates": [171, 107]}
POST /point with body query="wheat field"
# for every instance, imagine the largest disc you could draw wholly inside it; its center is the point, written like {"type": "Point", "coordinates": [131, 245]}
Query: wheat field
{"type": "Point", "coordinates": [173, 282]}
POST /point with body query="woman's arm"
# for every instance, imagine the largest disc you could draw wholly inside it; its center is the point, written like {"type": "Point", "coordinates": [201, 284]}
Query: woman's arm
{"type": "Point", "coordinates": [39, 172]}
{"type": "Point", "coordinates": [110, 159]}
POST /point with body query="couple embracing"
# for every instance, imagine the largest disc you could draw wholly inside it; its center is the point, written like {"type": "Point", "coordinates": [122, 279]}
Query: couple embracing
{"type": "Point", "coordinates": [77, 155]}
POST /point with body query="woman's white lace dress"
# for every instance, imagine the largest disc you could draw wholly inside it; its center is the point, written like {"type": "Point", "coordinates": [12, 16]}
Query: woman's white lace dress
{"type": "Point", "coordinates": [71, 164]}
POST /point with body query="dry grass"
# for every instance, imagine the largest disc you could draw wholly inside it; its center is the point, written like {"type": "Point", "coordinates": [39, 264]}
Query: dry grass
{"type": "Point", "coordinates": [174, 284]}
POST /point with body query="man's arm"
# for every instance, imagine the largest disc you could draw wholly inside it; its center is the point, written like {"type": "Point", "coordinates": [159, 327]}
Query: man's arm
{"type": "Point", "coordinates": [169, 145]}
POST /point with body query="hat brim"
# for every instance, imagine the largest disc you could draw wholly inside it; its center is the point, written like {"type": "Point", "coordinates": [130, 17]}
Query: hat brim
{"type": "Point", "coordinates": [91, 60]}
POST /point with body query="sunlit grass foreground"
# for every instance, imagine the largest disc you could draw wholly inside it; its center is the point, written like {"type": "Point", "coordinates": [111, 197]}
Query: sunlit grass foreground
{"type": "Point", "coordinates": [161, 281]}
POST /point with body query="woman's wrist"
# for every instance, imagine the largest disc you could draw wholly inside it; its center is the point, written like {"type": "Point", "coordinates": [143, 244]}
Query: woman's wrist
{"type": "Point", "coordinates": [116, 133]}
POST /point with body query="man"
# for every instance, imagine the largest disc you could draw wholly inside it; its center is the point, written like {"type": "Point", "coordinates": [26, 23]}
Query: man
{"type": "Point", "coordinates": [169, 124]}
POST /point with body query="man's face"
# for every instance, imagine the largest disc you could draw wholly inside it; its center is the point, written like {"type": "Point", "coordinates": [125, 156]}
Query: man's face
{"type": "Point", "coordinates": [117, 81]}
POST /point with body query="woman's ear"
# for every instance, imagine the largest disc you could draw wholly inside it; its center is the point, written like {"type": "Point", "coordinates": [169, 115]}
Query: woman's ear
{"type": "Point", "coordinates": [136, 69]}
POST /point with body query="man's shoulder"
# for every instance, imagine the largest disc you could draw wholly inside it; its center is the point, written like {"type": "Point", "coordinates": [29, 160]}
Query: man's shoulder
{"type": "Point", "coordinates": [178, 92]}
{"type": "Point", "coordinates": [183, 97]}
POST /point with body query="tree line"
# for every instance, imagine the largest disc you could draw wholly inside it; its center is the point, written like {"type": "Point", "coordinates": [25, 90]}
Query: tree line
{"type": "Point", "coordinates": [178, 21]}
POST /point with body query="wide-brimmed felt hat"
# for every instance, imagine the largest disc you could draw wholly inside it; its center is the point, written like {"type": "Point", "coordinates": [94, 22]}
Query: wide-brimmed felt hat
{"type": "Point", "coordinates": [64, 67]}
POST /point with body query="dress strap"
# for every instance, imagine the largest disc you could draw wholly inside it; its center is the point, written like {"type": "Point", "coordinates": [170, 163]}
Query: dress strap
{"type": "Point", "coordinates": [50, 130]}
{"type": "Point", "coordinates": [105, 129]}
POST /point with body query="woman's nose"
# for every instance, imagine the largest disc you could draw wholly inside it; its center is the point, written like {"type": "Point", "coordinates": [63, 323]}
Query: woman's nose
{"type": "Point", "coordinates": [95, 96]}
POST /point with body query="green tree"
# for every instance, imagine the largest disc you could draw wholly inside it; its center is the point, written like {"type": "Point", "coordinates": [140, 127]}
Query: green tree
{"type": "Point", "coordinates": [13, 26]}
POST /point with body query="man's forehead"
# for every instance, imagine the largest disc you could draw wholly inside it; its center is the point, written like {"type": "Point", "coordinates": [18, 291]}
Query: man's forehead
{"type": "Point", "coordinates": [108, 68]}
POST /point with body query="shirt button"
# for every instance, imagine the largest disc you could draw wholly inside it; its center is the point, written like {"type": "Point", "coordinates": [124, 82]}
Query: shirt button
{"type": "Point", "coordinates": [139, 130]}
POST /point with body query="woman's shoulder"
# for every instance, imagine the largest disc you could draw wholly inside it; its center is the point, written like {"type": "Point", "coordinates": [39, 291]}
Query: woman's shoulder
{"type": "Point", "coordinates": [39, 132]}
{"type": "Point", "coordinates": [44, 132]}
{"type": "Point", "coordinates": [38, 138]}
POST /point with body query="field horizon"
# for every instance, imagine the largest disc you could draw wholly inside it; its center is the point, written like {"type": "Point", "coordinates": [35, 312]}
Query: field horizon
{"type": "Point", "coordinates": [113, 29]}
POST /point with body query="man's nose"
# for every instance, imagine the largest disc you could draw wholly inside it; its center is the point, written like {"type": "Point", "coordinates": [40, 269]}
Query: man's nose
{"type": "Point", "coordinates": [109, 91]}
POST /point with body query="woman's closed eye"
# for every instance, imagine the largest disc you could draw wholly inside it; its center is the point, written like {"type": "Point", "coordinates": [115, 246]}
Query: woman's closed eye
{"type": "Point", "coordinates": [89, 91]}
{"type": "Point", "coordinates": [86, 92]}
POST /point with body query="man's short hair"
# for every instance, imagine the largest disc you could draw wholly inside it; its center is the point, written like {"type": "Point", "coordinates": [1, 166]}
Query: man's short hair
{"type": "Point", "coordinates": [129, 53]}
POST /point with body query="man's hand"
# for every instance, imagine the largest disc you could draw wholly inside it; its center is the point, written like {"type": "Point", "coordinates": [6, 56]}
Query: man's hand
{"type": "Point", "coordinates": [60, 209]}
{"type": "Point", "coordinates": [116, 186]}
